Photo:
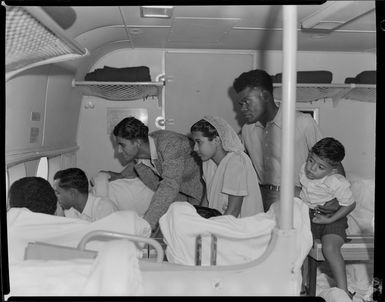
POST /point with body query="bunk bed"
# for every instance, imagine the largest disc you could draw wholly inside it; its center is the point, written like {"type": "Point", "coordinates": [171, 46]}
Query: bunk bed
{"type": "Point", "coordinates": [276, 272]}
{"type": "Point", "coordinates": [122, 91]}
{"type": "Point", "coordinates": [316, 91]}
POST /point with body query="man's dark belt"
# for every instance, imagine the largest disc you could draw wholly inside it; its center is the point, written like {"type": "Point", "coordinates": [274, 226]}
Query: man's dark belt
{"type": "Point", "coordinates": [270, 187]}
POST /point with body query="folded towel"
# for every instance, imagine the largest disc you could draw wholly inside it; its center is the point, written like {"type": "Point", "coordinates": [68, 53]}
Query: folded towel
{"type": "Point", "coordinates": [126, 74]}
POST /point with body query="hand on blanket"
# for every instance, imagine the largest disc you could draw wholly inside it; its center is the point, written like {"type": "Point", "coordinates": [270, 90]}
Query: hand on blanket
{"type": "Point", "coordinates": [100, 184]}
{"type": "Point", "coordinates": [100, 177]}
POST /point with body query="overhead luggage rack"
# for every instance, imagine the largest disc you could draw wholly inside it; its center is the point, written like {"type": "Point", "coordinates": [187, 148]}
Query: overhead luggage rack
{"type": "Point", "coordinates": [314, 92]}
{"type": "Point", "coordinates": [121, 91]}
{"type": "Point", "coordinates": [33, 39]}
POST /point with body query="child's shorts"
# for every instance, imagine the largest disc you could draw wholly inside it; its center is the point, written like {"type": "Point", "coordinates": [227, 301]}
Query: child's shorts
{"type": "Point", "coordinates": [337, 227]}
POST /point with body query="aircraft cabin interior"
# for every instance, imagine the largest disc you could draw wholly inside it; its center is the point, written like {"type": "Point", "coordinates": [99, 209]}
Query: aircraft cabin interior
{"type": "Point", "coordinates": [74, 73]}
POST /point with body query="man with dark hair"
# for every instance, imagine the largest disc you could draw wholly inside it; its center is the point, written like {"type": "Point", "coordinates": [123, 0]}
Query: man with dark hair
{"type": "Point", "coordinates": [33, 193]}
{"type": "Point", "coordinates": [71, 188]}
{"type": "Point", "coordinates": [164, 162]}
{"type": "Point", "coordinates": [262, 133]}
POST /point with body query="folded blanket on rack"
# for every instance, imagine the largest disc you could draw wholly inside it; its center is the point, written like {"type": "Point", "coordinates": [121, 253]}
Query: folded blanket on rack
{"type": "Point", "coordinates": [313, 76]}
{"type": "Point", "coordinates": [126, 74]}
{"type": "Point", "coordinates": [364, 77]}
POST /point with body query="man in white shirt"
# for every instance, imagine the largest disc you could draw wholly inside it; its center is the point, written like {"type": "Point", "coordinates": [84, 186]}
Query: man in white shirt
{"type": "Point", "coordinates": [72, 190]}
{"type": "Point", "coordinates": [261, 134]}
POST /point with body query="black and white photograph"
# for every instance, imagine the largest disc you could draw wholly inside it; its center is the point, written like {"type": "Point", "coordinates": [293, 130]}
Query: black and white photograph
{"type": "Point", "coordinates": [193, 149]}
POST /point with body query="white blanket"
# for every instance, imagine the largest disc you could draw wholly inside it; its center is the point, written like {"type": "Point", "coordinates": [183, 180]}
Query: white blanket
{"type": "Point", "coordinates": [130, 194]}
{"type": "Point", "coordinates": [24, 226]}
{"type": "Point", "coordinates": [104, 276]}
{"type": "Point", "coordinates": [360, 222]}
{"type": "Point", "coordinates": [127, 193]}
{"type": "Point", "coordinates": [240, 240]}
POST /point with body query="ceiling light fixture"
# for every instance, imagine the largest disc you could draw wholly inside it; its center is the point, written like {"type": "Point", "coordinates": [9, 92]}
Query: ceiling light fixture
{"type": "Point", "coordinates": [335, 14]}
{"type": "Point", "coordinates": [164, 12]}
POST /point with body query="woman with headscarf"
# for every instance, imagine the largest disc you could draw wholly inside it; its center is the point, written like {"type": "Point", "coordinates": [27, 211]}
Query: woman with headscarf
{"type": "Point", "coordinates": [231, 181]}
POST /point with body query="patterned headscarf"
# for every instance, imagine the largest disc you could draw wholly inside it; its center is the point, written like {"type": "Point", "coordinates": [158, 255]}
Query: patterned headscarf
{"type": "Point", "coordinates": [230, 139]}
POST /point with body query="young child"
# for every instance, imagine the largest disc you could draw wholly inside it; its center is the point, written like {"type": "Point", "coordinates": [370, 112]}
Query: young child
{"type": "Point", "coordinates": [321, 183]}
{"type": "Point", "coordinates": [231, 181]}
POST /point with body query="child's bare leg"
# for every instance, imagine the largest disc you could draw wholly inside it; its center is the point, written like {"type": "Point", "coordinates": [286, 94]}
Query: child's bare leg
{"type": "Point", "coordinates": [331, 249]}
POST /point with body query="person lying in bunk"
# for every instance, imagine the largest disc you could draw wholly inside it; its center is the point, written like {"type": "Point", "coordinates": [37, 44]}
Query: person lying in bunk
{"type": "Point", "coordinates": [34, 193]}
{"type": "Point", "coordinates": [31, 217]}
{"type": "Point", "coordinates": [72, 190]}
{"type": "Point", "coordinates": [321, 182]}
{"type": "Point", "coordinates": [164, 163]}
{"type": "Point", "coordinates": [231, 181]}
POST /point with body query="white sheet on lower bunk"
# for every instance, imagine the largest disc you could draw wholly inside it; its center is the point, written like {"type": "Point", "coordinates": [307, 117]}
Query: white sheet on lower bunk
{"type": "Point", "coordinates": [360, 221]}
{"type": "Point", "coordinates": [326, 286]}
{"type": "Point", "coordinates": [24, 226]}
{"type": "Point", "coordinates": [115, 272]}
{"type": "Point", "coordinates": [181, 224]}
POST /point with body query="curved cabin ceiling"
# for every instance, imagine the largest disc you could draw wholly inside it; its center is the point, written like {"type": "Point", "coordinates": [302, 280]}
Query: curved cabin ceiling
{"type": "Point", "coordinates": [249, 27]}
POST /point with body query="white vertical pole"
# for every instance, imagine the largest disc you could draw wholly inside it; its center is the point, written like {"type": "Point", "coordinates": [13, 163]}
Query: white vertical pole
{"type": "Point", "coordinates": [288, 115]}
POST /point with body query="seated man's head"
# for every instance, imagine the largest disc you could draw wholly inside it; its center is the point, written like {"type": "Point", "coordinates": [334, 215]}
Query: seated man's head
{"type": "Point", "coordinates": [71, 188]}
{"type": "Point", "coordinates": [33, 193]}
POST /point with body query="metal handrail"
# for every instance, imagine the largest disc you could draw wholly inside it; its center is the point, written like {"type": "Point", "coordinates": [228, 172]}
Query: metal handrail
{"type": "Point", "coordinates": [115, 235]}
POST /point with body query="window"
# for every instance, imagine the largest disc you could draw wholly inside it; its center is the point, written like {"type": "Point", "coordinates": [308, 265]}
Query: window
{"type": "Point", "coordinates": [314, 112]}
{"type": "Point", "coordinates": [16, 172]}
{"type": "Point", "coordinates": [6, 189]}
{"type": "Point", "coordinates": [42, 168]}
{"type": "Point", "coordinates": [54, 166]}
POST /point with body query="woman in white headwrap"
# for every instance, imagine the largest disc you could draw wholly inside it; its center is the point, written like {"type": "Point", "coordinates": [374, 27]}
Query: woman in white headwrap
{"type": "Point", "coordinates": [231, 181]}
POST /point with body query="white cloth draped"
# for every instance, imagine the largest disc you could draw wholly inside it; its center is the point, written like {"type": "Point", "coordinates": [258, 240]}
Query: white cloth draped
{"type": "Point", "coordinates": [115, 272]}
{"type": "Point", "coordinates": [360, 222]}
{"type": "Point", "coordinates": [126, 193]}
{"type": "Point", "coordinates": [240, 240]}
{"type": "Point", "coordinates": [24, 226]}
{"type": "Point", "coordinates": [229, 138]}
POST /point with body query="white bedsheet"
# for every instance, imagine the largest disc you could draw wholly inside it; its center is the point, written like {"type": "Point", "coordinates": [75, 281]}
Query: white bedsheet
{"type": "Point", "coordinates": [181, 224]}
{"type": "Point", "coordinates": [24, 226]}
{"type": "Point", "coordinates": [360, 222]}
{"type": "Point", "coordinates": [81, 277]}
{"type": "Point", "coordinates": [127, 193]}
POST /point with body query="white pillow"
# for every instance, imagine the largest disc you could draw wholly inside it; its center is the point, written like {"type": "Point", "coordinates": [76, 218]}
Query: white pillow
{"type": "Point", "coordinates": [130, 194]}
{"type": "Point", "coordinates": [360, 220]}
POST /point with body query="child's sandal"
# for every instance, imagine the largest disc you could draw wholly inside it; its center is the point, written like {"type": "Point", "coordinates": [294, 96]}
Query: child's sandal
{"type": "Point", "coordinates": [351, 294]}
